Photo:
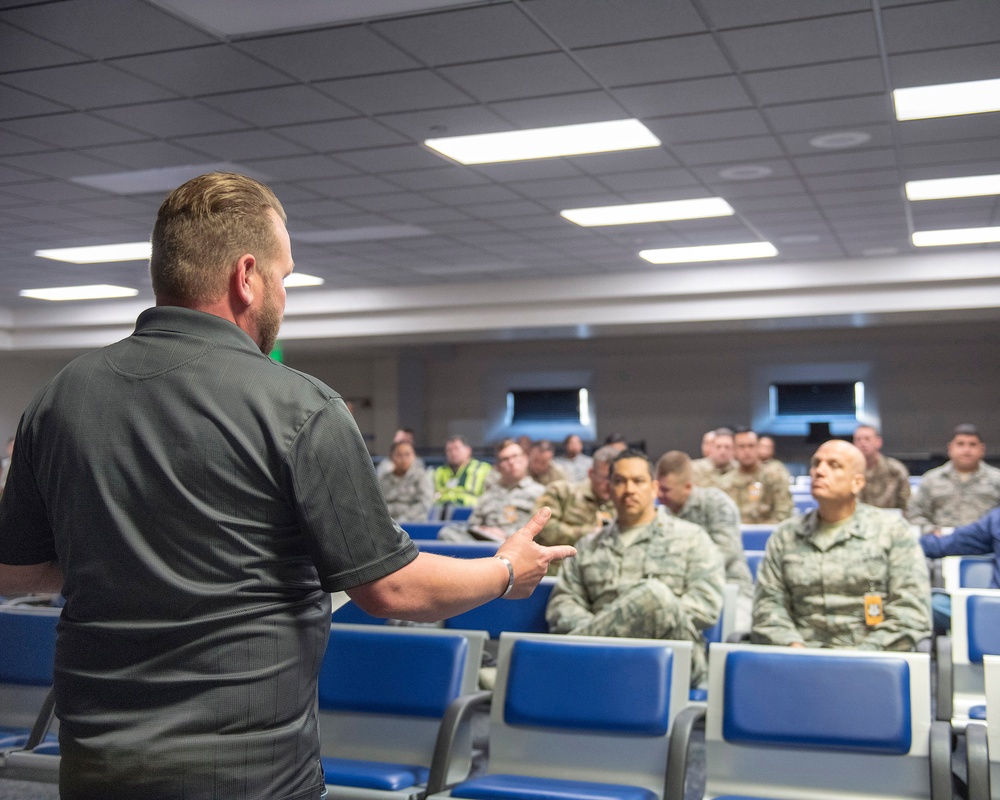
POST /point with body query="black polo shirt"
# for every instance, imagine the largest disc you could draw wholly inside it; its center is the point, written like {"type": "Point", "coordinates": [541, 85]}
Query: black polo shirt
{"type": "Point", "coordinates": [201, 500]}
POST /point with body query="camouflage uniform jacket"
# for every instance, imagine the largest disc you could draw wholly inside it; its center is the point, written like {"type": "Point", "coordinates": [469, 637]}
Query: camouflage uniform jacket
{"type": "Point", "coordinates": [410, 496]}
{"type": "Point", "coordinates": [811, 585]}
{"type": "Point", "coordinates": [575, 512]}
{"type": "Point", "coordinates": [778, 468]}
{"type": "Point", "coordinates": [576, 468]}
{"type": "Point", "coordinates": [551, 475]}
{"type": "Point", "coordinates": [677, 555]}
{"type": "Point", "coordinates": [887, 484]}
{"type": "Point", "coordinates": [705, 473]}
{"type": "Point", "coordinates": [761, 496]}
{"type": "Point", "coordinates": [944, 500]}
{"type": "Point", "coordinates": [501, 507]}
{"type": "Point", "coordinates": [713, 510]}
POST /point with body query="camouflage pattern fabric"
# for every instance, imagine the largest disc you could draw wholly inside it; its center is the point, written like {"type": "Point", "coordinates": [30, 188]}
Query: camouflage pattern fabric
{"type": "Point", "coordinates": [409, 497]}
{"type": "Point", "coordinates": [498, 507]}
{"type": "Point", "coordinates": [887, 484]}
{"type": "Point", "coordinates": [761, 496]}
{"type": "Point", "coordinates": [944, 500]}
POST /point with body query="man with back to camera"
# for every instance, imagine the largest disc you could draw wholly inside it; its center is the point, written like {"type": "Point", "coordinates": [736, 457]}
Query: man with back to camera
{"type": "Point", "coordinates": [761, 495]}
{"type": "Point", "coordinates": [887, 481]}
{"type": "Point", "coordinates": [959, 492]}
{"type": "Point", "coordinates": [648, 575]}
{"type": "Point", "coordinates": [196, 502]}
{"type": "Point", "coordinates": [845, 574]}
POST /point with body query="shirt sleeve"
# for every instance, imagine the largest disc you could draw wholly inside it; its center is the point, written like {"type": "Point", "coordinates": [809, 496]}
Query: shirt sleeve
{"type": "Point", "coordinates": [339, 504]}
{"type": "Point", "coordinates": [772, 618]}
{"type": "Point", "coordinates": [568, 606]}
{"type": "Point", "coordinates": [969, 540]}
{"type": "Point", "coordinates": [26, 535]}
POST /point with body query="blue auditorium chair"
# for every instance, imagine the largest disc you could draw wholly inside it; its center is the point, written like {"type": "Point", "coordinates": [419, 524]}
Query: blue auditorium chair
{"type": "Point", "coordinates": [27, 656]}
{"type": "Point", "coordinates": [383, 694]}
{"type": "Point", "coordinates": [982, 742]}
{"type": "Point", "coordinates": [966, 572]}
{"type": "Point", "coordinates": [502, 615]}
{"type": "Point", "coordinates": [422, 530]}
{"type": "Point", "coordinates": [754, 557]}
{"type": "Point", "coordinates": [583, 717]}
{"type": "Point", "coordinates": [755, 536]}
{"type": "Point", "coordinates": [975, 632]}
{"type": "Point", "coordinates": [457, 549]}
{"type": "Point", "coordinates": [822, 724]}
{"type": "Point", "coordinates": [458, 513]}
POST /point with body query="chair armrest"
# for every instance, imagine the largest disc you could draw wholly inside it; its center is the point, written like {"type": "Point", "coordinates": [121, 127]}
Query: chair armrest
{"type": "Point", "coordinates": [458, 714]}
{"type": "Point", "coordinates": [977, 760]}
{"type": "Point", "coordinates": [940, 746]}
{"type": "Point", "coordinates": [738, 637]}
{"type": "Point", "coordinates": [937, 576]}
{"type": "Point", "coordinates": [42, 722]}
{"type": "Point", "coordinates": [945, 679]}
{"type": "Point", "coordinates": [679, 749]}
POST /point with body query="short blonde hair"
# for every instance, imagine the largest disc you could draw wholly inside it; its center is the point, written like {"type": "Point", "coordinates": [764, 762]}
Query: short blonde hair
{"type": "Point", "coordinates": [203, 227]}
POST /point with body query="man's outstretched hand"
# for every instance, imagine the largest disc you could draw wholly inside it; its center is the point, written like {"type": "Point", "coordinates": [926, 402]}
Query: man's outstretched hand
{"type": "Point", "coordinates": [530, 559]}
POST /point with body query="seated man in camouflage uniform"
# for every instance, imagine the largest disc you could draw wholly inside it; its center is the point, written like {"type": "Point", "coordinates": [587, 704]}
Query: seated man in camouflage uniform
{"type": "Point", "coordinates": [582, 507]}
{"type": "Point", "coordinates": [844, 575]}
{"type": "Point", "coordinates": [407, 487]}
{"type": "Point", "coordinates": [505, 506]}
{"type": "Point", "coordinates": [714, 511]}
{"type": "Point", "coordinates": [648, 575]}
{"type": "Point", "coordinates": [961, 491]}
{"type": "Point", "coordinates": [761, 494]}
{"type": "Point", "coordinates": [887, 481]}
{"type": "Point", "coordinates": [719, 465]}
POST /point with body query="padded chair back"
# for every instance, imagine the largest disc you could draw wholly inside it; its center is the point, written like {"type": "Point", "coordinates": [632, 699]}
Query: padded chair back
{"type": "Point", "coordinates": [587, 708]}
{"type": "Point", "coordinates": [384, 690]}
{"type": "Point", "coordinates": [966, 572]}
{"type": "Point", "coordinates": [802, 723]}
{"type": "Point", "coordinates": [458, 549]}
{"type": "Point", "coordinates": [422, 530]}
{"type": "Point", "coordinates": [726, 623]}
{"type": "Point", "coordinates": [755, 536]}
{"type": "Point", "coordinates": [991, 666]}
{"type": "Point", "coordinates": [516, 616]}
{"type": "Point", "coordinates": [975, 632]}
{"type": "Point", "coordinates": [754, 557]}
{"type": "Point", "coordinates": [27, 657]}
{"type": "Point", "coordinates": [458, 513]}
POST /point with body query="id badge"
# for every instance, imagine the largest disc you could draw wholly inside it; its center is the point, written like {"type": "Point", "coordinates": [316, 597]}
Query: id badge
{"type": "Point", "coordinates": [874, 613]}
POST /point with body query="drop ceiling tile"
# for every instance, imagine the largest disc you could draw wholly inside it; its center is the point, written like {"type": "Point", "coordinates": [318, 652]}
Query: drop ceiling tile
{"type": "Point", "coordinates": [457, 121]}
{"type": "Point", "coordinates": [144, 155]}
{"type": "Point", "coordinates": [652, 180]}
{"type": "Point", "coordinates": [804, 84]}
{"type": "Point", "coordinates": [22, 51]}
{"type": "Point", "coordinates": [984, 150]}
{"type": "Point", "coordinates": [733, 190]}
{"type": "Point", "coordinates": [513, 208]}
{"type": "Point", "coordinates": [564, 109]}
{"type": "Point", "coordinates": [57, 165]}
{"type": "Point", "coordinates": [750, 148]}
{"type": "Point", "coordinates": [47, 213]}
{"type": "Point", "coordinates": [293, 168]}
{"type": "Point", "coordinates": [349, 186]}
{"type": "Point", "coordinates": [12, 144]}
{"type": "Point", "coordinates": [527, 170]}
{"type": "Point", "coordinates": [54, 192]}
{"type": "Point", "coordinates": [115, 207]}
{"type": "Point", "coordinates": [106, 29]}
{"type": "Point", "coordinates": [324, 54]}
{"type": "Point", "coordinates": [857, 180]}
{"type": "Point", "coordinates": [378, 160]}
{"type": "Point", "coordinates": [299, 211]}
{"type": "Point", "coordinates": [401, 91]}
{"type": "Point", "coordinates": [242, 144]}
{"type": "Point", "coordinates": [854, 161]}
{"type": "Point", "coordinates": [203, 70]}
{"type": "Point", "coordinates": [830, 114]}
{"type": "Point", "coordinates": [676, 59]}
{"type": "Point", "coordinates": [82, 86]}
{"type": "Point", "coordinates": [283, 105]}
{"type": "Point", "coordinates": [72, 130]}
{"type": "Point", "coordinates": [684, 97]}
{"type": "Point", "coordinates": [959, 169]}
{"type": "Point", "coordinates": [698, 128]}
{"type": "Point", "coordinates": [798, 144]}
{"type": "Point", "coordinates": [585, 23]}
{"type": "Point", "coordinates": [14, 104]}
{"type": "Point", "coordinates": [887, 197]}
{"type": "Point", "coordinates": [726, 14]}
{"type": "Point", "coordinates": [474, 34]}
{"type": "Point", "coordinates": [643, 160]}
{"type": "Point", "coordinates": [951, 65]}
{"type": "Point", "coordinates": [937, 25]}
{"type": "Point", "coordinates": [391, 203]}
{"type": "Point", "coordinates": [950, 129]}
{"type": "Point", "coordinates": [565, 188]}
{"type": "Point", "coordinates": [431, 217]}
{"type": "Point", "coordinates": [516, 78]}
{"type": "Point", "coordinates": [347, 134]}
{"type": "Point", "coordinates": [172, 118]}
{"type": "Point", "coordinates": [473, 195]}
{"type": "Point", "coordinates": [788, 44]}
{"type": "Point", "coordinates": [441, 178]}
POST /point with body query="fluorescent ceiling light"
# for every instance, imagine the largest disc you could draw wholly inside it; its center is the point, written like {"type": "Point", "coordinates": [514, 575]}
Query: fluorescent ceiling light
{"type": "Point", "coordinates": [100, 253]}
{"type": "Point", "coordinates": [947, 99]}
{"type": "Point", "coordinates": [97, 292]}
{"type": "Point", "coordinates": [301, 279]}
{"type": "Point", "coordinates": [956, 236]}
{"type": "Point", "coordinates": [565, 140]}
{"type": "Point", "coordinates": [944, 188]}
{"type": "Point", "coordinates": [715, 252]}
{"type": "Point", "coordinates": [665, 211]}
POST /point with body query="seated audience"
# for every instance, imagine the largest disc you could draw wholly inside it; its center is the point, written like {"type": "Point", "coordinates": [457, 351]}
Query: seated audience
{"type": "Point", "coordinates": [845, 574]}
{"type": "Point", "coordinates": [461, 479]}
{"type": "Point", "coordinates": [714, 511]}
{"type": "Point", "coordinates": [765, 447]}
{"type": "Point", "coordinates": [582, 507]}
{"type": "Point", "coordinates": [505, 506]}
{"type": "Point", "coordinates": [407, 488]}
{"type": "Point", "coordinates": [648, 575]}
{"type": "Point", "coordinates": [715, 470]}
{"type": "Point", "coordinates": [401, 435]}
{"type": "Point", "coordinates": [540, 465]}
{"type": "Point", "coordinates": [574, 462]}
{"type": "Point", "coordinates": [887, 481]}
{"type": "Point", "coordinates": [762, 495]}
{"type": "Point", "coordinates": [959, 492]}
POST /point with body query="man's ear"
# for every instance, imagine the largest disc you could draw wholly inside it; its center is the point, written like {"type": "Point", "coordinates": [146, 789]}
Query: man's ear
{"type": "Point", "coordinates": [246, 267]}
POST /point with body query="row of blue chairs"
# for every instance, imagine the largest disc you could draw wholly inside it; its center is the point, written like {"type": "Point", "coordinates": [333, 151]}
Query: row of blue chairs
{"type": "Point", "coordinates": [983, 740]}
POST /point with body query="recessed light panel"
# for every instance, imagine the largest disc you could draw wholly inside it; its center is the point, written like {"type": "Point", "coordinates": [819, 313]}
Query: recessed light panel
{"type": "Point", "coordinates": [565, 140]}
{"type": "Point", "coordinates": [947, 99]}
{"type": "Point", "coordinates": [955, 236]}
{"type": "Point", "coordinates": [99, 254]}
{"type": "Point", "coordinates": [666, 211]}
{"type": "Point", "coordinates": [301, 279]}
{"type": "Point", "coordinates": [840, 140]}
{"type": "Point", "coordinates": [95, 292]}
{"type": "Point", "coordinates": [946, 188]}
{"type": "Point", "coordinates": [715, 252]}
{"type": "Point", "coordinates": [748, 172]}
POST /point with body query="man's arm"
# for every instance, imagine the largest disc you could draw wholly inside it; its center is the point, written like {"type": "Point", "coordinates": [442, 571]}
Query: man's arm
{"type": "Point", "coordinates": [432, 587]}
{"type": "Point", "coordinates": [701, 602]}
{"type": "Point", "coordinates": [975, 539]}
{"type": "Point", "coordinates": [907, 606]}
{"type": "Point", "coordinates": [30, 578]}
{"type": "Point", "coordinates": [569, 606]}
{"type": "Point", "coordinates": [772, 619]}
